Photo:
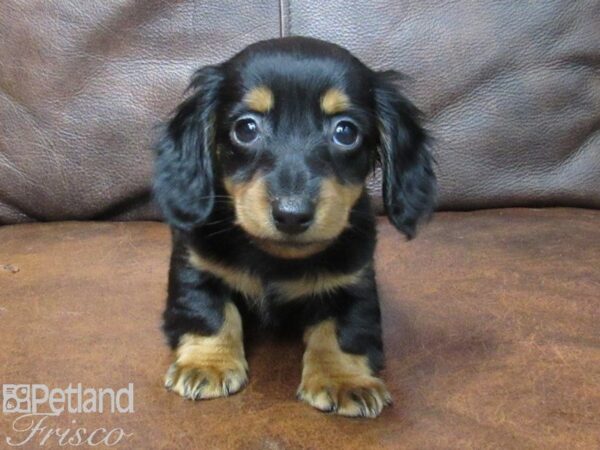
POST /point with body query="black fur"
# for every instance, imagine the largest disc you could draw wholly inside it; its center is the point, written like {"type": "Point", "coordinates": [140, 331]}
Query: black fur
{"type": "Point", "coordinates": [189, 189]}
{"type": "Point", "coordinates": [184, 181]}
{"type": "Point", "coordinates": [409, 186]}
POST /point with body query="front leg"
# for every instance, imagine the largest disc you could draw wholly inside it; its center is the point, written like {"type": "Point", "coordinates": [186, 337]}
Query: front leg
{"type": "Point", "coordinates": [205, 329]}
{"type": "Point", "coordinates": [343, 354]}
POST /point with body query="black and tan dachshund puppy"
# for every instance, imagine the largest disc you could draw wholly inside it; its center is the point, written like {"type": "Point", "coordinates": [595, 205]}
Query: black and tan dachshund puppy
{"type": "Point", "coordinates": [261, 174]}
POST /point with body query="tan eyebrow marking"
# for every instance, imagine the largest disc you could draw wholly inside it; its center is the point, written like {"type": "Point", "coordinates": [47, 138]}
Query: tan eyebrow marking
{"type": "Point", "coordinates": [334, 101]}
{"type": "Point", "coordinates": [259, 99]}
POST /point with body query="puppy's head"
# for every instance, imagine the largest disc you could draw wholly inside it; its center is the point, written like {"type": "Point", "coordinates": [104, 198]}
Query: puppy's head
{"type": "Point", "coordinates": [290, 129]}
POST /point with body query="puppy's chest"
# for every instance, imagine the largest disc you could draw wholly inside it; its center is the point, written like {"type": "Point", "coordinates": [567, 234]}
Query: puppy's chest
{"type": "Point", "coordinates": [258, 288]}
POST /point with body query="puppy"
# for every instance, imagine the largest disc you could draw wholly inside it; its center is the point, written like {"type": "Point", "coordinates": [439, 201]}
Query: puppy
{"type": "Point", "coordinates": [261, 174]}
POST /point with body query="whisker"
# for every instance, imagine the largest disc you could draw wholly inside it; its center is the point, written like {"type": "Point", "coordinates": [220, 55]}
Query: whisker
{"type": "Point", "coordinates": [359, 232]}
{"type": "Point", "coordinates": [215, 222]}
{"type": "Point", "coordinates": [220, 231]}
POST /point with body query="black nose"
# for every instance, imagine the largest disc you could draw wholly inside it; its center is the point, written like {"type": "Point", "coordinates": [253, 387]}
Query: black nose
{"type": "Point", "coordinates": [292, 215]}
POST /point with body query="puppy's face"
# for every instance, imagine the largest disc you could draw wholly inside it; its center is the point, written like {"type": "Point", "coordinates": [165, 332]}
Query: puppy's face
{"type": "Point", "coordinates": [290, 128]}
{"type": "Point", "coordinates": [295, 141]}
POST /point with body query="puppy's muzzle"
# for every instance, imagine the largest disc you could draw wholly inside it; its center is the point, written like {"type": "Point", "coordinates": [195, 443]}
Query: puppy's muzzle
{"type": "Point", "coordinates": [293, 214]}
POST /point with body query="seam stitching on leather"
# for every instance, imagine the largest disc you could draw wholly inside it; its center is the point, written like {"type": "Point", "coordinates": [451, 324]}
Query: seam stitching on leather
{"type": "Point", "coordinates": [284, 18]}
{"type": "Point", "coordinates": [280, 18]}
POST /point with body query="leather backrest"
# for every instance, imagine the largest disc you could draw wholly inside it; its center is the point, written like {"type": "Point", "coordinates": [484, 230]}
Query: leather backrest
{"type": "Point", "coordinates": [82, 84]}
{"type": "Point", "coordinates": [511, 89]}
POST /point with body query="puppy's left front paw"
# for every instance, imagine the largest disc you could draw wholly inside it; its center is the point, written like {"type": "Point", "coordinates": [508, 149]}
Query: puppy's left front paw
{"type": "Point", "coordinates": [352, 396]}
{"type": "Point", "coordinates": [337, 381]}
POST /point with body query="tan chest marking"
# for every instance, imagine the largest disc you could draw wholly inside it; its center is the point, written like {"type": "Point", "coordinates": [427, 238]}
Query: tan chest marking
{"type": "Point", "coordinates": [238, 280]}
{"type": "Point", "coordinates": [252, 287]}
{"type": "Point", "coordinates": [315, 285]}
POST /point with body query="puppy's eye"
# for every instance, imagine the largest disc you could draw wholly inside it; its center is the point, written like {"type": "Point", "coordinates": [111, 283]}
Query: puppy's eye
{"type": "Point", "coordinates": [346, 134]}
{"type": "Point", "coordinates": [245, 130]}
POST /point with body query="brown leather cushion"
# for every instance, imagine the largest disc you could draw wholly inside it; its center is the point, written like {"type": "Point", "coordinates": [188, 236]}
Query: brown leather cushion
{"type": "Point", "coordinates": [511, 89]}
{"type": "Point", "coordinates": [490, 322]}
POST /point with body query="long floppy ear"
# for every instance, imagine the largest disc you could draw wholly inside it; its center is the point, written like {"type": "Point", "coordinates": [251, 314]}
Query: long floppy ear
{"type": "Point", "coordinates": [184, 173]}
{"type": "Point", "coordinates": [409, 184]}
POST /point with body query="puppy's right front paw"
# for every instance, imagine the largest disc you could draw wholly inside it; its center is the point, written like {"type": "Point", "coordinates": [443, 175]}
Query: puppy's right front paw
{"type": "Point", "coordinates": [210, 366]}
{"type": "Point", "coordinates": [208, 381]}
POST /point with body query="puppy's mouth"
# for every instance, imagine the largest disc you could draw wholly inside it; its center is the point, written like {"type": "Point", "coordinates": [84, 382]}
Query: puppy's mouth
{"type": "Point", "coordinates": [290, 248]}
{"type": "Point", "coordinates": [291, 242]}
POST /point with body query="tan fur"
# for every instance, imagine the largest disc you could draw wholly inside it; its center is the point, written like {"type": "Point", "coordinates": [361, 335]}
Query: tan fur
{"type": "Point", "coordinates": [333, 209]}
{"type": "Point", "coordinates": [252, 206]}
{"type": "Point", "coordinates": [319, 284]}
{"type": "Point", "coordinates": [333, 380]}
{"type": "Point", "coordinates": [260, 99]}
{"type": "Point", "coordinates": [291, 252]}
{"type": "Point", "coordinates": [334, 101]}
{"type": "Point", "coordinates": [253, 214]}
{"type": "Point", "coordinates": [238, 280]}
{"type": "Point", "coordinates": [210, 366]}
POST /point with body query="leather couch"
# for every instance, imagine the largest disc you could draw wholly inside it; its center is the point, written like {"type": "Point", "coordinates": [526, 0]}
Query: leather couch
{"type": "Point", "coordinates": [491, 315]}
